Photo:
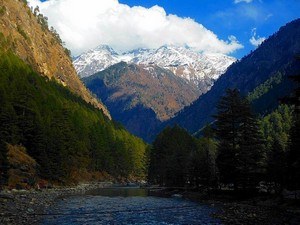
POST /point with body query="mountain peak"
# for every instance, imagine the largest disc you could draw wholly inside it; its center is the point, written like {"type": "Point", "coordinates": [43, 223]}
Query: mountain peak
{"type": "Point", "coordinates": [104, 48]}
{"type": "Point", "coordinates": [201, 69]}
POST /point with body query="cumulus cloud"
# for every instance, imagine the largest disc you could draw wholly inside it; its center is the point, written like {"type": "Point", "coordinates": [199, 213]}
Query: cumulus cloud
{"type": "Point", "coordinates": [84, 24]}
{"type": "Point", "coordinates": [256, 40]}
{"type": "Point", "coordinates": [238, 1]}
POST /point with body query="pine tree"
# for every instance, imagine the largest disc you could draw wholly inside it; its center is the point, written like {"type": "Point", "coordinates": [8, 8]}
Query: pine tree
{"type": "Point", "coordinates": [202, 161]}
{"type": "Point", "coordinates": [227, 133]}
{"type": "Point", "coordinates": [240, 142]}
{"type": "Point", "coordinates": [169, 157]}
{"type": "Point", "coordinates": [277, 165]}
{"type": "Point", "coordinates": [294, 152]}
{"type": "Point", "coordinates": [250, 163]}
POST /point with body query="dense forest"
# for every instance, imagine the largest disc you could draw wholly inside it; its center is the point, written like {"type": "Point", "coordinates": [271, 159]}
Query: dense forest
{"type": "Point", "coordinates": [240, 150]}
{"type": "Point", "coordinates": [63, 133]}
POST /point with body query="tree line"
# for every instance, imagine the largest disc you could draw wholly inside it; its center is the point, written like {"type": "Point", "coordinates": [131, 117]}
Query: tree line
{"type": "Point", "coordinates": [238, 150]}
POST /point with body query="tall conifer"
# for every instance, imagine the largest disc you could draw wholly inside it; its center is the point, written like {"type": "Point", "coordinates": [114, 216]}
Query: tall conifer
{"type": "Point", "coordinates": [240, 143]}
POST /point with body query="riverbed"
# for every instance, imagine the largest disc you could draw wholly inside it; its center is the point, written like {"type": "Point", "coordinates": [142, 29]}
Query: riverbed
{"type": "Point", "coordinates": [68, 206]}
{"type": "Point", "coordinates": [127, 206]}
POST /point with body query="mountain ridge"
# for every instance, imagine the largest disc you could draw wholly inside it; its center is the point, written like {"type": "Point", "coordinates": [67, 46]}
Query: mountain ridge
{"type": "Point", "coordinates": [276, 54]}
{"type": "Point", "coordinates": [198, 69]}
{"type": "Point", "coordinates": [141, 96]}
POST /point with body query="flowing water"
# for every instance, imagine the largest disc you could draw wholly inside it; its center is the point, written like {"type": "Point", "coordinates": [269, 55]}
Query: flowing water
{"type": "Point", "coordinates": [128, 206]}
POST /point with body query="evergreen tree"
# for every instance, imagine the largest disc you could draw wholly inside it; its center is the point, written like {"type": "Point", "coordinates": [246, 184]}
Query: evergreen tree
{"type": "Point", "coordinates": [294, 151]}
{"type": "Point", "coordinates": [276, 131]}
{"type": "Point", "coordinates": [277, 165]}
{"type": "Point", "coordinates": [294, 155]}
{"type": "Point", "coordinates": [240, 142]}
{"type": "Point", "coordinates": [250, 156]}
{"type": "Point", "coordinates": [169, 157]}
{"type": "Point", "coordinates": [202, 161]}
{"type": "Point", "coordinates": [227, 132]}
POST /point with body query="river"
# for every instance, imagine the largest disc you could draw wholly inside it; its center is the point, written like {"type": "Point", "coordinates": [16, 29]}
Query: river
{"type": "Point", "coordinates": [114, 206]}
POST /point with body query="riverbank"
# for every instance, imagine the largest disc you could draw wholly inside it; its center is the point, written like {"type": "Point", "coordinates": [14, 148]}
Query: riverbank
{"type": "Point", "coordinates": [29, 207]}
{"type": "Point", "coordinates": [259, 210]}
{"type": "Point", "coordinates": [247, 213]}
{"type": "Point", "coordinates": [18, 207]}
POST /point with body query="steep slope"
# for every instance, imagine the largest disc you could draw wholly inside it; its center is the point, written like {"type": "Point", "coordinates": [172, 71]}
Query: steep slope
{"type": "Point", "coordinates": [30, 38]}
{"type": "Point", "coordinates": [63, 138]}
{"type": "Point", "coordinates": [274, 56]}
{"type": "Point", "coordinates": [198, 69]}
{"type": "Point", "coordinates": [140, 96]}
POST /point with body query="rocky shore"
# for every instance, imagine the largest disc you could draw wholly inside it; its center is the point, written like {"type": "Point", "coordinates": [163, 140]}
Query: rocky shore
{"type": "Point", "coordinates": [18, 207]}
{"type": "Point", "coordinates": [255, 211]}
{"type": "Point", "coordinates": [244, 213]}
{"type": "Point", "coordinates": [30, 207]}
{"type": "Point", "coordinates": [252, 211]}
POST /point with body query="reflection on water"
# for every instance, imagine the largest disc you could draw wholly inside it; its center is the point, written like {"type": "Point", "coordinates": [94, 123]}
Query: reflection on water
{"type": "Point", "coordinates": [124, 206]}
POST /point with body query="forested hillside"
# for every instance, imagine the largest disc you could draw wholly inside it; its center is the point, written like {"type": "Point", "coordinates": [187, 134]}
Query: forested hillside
{"type": "Point", "coordinates": [65, 135]}
{"type": "Point", "coordinates": [263, 75]}
{"type": "Point", "coordinates": [40, 46]}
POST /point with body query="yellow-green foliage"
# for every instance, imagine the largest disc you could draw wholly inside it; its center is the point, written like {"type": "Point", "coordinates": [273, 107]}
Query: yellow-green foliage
{"type": "Point", "coordinates": [62, 132]}
{"type": "Point", "coordinates": [277, 125]}
{"type": "Point", "coordinates": [265, 87]}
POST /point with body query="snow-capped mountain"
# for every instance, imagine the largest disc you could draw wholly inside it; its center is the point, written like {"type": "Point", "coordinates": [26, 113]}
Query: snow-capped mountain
{"type": "Point", "coordinates": [186, 63]}
{"type": "Point", "coordinates": [96, 60]}
{"type": "Point", "coordinates": [200, 69]}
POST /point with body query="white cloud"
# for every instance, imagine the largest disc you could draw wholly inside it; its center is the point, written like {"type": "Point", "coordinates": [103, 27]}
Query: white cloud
{"type": "Point", "coordinates": [256, 40]}
{"type": "Point", "coordinates": [238, 1]}
{"type": "Point", "coordinates": [84, 24]}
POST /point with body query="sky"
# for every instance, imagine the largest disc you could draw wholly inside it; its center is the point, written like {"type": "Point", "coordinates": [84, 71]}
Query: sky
{"type": "Point", "coordinates": [231, 27]}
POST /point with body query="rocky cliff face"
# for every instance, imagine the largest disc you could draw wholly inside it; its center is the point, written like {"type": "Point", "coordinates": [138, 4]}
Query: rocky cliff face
{"type": "Point", "coordinates": [32, 41]}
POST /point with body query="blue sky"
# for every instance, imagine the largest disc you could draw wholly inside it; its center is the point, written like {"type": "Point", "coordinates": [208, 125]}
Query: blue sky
{"type": "Point", "coordinates": [232, 27]}
{"type": "Point", "coordinates": [225, 18]}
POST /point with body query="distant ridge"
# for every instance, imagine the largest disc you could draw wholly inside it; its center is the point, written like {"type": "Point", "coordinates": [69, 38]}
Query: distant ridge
{"type": "Point", "coordinates": [198, 69]}
{"type": "Point", "coordinates": [141, 96]}
{"type": "Point", "coordinates": [275, 55]}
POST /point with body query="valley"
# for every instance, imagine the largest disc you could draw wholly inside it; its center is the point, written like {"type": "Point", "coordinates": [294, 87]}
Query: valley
{"type": "Point", "coordinates": [149, 83]}
{"type": "Point", "coordinates": [159, 119]}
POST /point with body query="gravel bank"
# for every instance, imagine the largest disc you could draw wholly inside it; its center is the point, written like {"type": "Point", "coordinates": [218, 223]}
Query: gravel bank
{"type": "Point", "coordinates": [256, 211]}
{"type": "Point", "coordinates": [28, 207]}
